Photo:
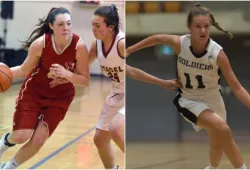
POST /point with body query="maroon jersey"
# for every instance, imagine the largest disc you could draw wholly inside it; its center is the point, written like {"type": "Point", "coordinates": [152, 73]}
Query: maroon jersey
{"type": "Point", "coordinates": [40, 77]}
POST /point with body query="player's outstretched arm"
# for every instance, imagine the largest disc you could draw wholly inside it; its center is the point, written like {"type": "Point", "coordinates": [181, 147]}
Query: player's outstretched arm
{"type": "Point", "coordinates": [140, 75]}
{"type": "Point", "coordinates": [171, 40]}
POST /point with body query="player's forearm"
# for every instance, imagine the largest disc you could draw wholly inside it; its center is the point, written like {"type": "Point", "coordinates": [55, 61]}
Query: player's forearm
{"type": "Point", "coordinates": [140, 75]}
{"type": "Point", "coordinates": [77, 79]}
{"type": "Point", "coordinates": [243, 96]}
{"type": "Point", "coordinates": [147, 42]}
{"type": "Point", "coordinates": [18, 72]}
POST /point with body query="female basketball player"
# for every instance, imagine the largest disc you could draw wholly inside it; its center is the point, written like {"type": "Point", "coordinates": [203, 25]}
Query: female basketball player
{"type": "Point", "coordinates": [57, 59]}
{"type": "Point", "coordinates": [198, 62]}
{"type": "Point", "coordinates": [108, 48]}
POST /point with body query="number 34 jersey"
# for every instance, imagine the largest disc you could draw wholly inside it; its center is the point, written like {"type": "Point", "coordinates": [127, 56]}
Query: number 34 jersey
{"type": "Point", "coordinates": [199, 75]}
{"type": "Point", "coordinates": [112, 63]}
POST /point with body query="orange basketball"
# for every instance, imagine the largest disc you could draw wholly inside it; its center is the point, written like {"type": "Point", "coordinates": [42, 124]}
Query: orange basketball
{"type": "Point", "coordinates": [6, 77]}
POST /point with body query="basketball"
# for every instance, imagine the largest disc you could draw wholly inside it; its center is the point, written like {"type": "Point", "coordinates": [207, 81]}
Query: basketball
{"type": "Point", "coordinates": [6, 77]}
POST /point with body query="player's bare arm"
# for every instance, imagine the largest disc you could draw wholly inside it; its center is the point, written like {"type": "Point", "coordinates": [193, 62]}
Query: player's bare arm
{"type": "Point", "coordinates": [171, 40]}
{"type": "Point", "coordinates": [140, 75]}
{"type": "Point", "coordinates": [81, 76]}
{"type": "Point", "coordinates": [238, 90]}
{"type": "Point", "coordinates": [32, 59]}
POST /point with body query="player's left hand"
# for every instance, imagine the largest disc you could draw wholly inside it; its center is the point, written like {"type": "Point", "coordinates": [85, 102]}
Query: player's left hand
{"type": "Point", "coordinates": [59, 71]}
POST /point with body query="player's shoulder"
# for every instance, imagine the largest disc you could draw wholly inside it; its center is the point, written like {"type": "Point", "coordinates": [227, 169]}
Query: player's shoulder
{"type": "Point", "coordinates": [214, 43]}
{"type": "Point", "coordinates": [214, 48]}
{"type": "Point", "coordinates": [185, 38]}
{"type": "Point", "coordinates": [39, 42]}
{"type": "Point", "coordinates": [121, 34]}
{"type": "Point", "coordinates": [37, 46]}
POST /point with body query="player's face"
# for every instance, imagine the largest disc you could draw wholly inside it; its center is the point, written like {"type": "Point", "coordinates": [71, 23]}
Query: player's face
{"type": "Point", "coordinates": [200, 28]}
{"type": "Point", "coordinates": [62, 25]}
{"type": "Point", "coordinates": [99, 27]}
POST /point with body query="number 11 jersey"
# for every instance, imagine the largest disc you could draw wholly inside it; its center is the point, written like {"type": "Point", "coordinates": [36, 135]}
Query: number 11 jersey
{"type": "Point", "coordinates": [112, 63]}
{"type": "Point", "coordinates": [199, 74]}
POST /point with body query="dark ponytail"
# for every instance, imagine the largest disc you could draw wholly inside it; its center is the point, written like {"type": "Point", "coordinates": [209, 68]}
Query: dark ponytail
{"type": "Point", "coordinates": [110, 13]}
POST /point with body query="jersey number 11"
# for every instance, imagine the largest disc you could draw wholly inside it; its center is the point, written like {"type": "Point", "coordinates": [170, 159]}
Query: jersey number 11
{"type": "Point", "coordinates": [198, 78]}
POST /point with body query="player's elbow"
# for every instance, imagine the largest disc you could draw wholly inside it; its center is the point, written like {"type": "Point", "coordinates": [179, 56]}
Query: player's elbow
{"type": "Point", "coordinates": [236, 87]}
{"type": "Point", "coordinates": [237, 90]}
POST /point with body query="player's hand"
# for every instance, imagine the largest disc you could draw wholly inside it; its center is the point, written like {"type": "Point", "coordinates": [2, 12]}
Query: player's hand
{"type": "Point", "coordinates": [170, 84]}
{"type": "Point", "coordinates": [59, 71]}
{"type": "Point", "coordinates": [55, 82]}
{"type": "Point", "coordinates": [179, 83]}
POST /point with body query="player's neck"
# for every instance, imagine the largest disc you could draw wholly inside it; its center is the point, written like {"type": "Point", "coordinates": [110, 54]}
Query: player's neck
{"type": "Point", "coordinates": [198, 47]}
{"type": "Point", "coordinates": [61, 42]}
{"type": "Point", "coordinates": [108, 40]}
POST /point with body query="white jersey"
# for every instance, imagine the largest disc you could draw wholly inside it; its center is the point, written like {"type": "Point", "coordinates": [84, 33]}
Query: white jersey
{"type": "Point", "coordinates": [112, 64]}
{"type": "Point", "coordinates": [199, 75]}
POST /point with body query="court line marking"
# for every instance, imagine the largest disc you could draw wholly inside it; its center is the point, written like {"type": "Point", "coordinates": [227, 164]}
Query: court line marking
{"type": "Point", "coordinates": [61, 148]}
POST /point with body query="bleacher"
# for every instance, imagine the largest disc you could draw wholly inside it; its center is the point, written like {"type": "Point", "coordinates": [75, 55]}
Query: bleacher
{"type": "Point", "coordinates": [153, 6]}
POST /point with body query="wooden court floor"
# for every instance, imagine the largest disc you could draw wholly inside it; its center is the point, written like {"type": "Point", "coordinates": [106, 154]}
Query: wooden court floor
{"type": "Point", "coordinates": [71, 146]}
{"type": "Point", "coordinates": [176, 155]}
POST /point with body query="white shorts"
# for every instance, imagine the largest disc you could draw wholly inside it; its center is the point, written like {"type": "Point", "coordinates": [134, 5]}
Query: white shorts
{"type": "Point", "coordinates": [122, 110]}
{"type": "Point", "coordinates": [191, 109]}
{"type": "Point", "coordinates": [113, 103]}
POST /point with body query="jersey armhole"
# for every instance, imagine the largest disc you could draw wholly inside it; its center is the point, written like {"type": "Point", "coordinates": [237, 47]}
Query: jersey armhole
{"type": "Point", "coordinates": [78, 42]}
{"type": "Point", "coordinates": [44, 45]}
{"type": "Point", "coordinates": [118, 52]}
{"type": "Point", "coordinates": [216, 54]}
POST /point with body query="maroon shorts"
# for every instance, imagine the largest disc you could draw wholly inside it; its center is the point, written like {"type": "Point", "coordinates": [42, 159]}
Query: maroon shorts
{"type": "Point", "coordinates": [32, 108]}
